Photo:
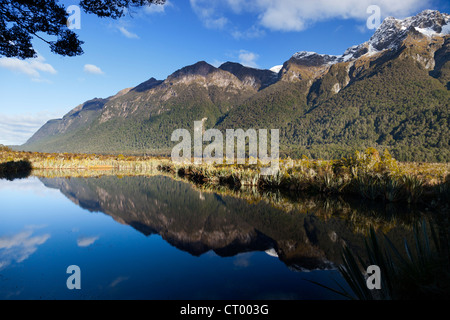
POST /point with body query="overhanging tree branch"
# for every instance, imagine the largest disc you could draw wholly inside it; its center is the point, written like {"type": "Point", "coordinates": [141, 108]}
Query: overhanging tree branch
{"type": "Point", "coordinates": [21, 20]}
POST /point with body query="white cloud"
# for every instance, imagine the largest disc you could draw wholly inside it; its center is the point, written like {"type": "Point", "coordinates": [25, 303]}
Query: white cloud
{"type": "Point", "coordinates": [19, 247]}
{"type": "Point", "coordinates": [238, 6]}
{"type": "Point", "coordinates": [216, 23]}
{"type": "Point", "coordinates": [31, 67]}
{"type": "Point", "coordinates": [127, 33]}
{"type": "Point", "coordinates": [216, 63]}
{"type": "Point", "coordinates": [251, 33]}
{"type": "Point", "coordinates": [93, 69]}
{"type": "Point", "coordinates": [248, 58]}
{"type": "Point", "coordinates": [210, 13]}
{"type": "Point", "coordinates": [86, 241]}
{"type": "Point", "coordinates": [124, 24]}
{"type": "Point", "coordinates": [31, 185]}
{"type": "Point", "coordinates": [297, 15]}
{"type": "Point", "coordinates": [242, 260]}
{"type": "Point", "coordinates": [17, 129]}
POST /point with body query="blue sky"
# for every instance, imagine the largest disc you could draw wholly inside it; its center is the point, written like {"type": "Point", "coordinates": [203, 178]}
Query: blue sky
{"type": "Point", "coordinates": [156, 41]}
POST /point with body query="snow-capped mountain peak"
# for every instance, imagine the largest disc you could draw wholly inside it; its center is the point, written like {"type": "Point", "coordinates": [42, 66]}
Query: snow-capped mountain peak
{"type": "Point", "coordinates": [392, 31]}
{"type": "Point", "coordinates": [315, 59]}
{"type": "Point", "coordinates": [389, 35]}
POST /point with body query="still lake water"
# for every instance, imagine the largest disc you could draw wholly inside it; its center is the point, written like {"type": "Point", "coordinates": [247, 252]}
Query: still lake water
{"type": "Point", "coordinates": [160, 238]}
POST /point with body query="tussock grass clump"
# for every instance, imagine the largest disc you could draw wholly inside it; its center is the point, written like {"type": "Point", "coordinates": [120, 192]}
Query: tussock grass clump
{"type": "Point", "coordinates": [419, 271]}
{"type": "Point", "coordinates": [367, 174]}
{"type": "Point", "coordinates": [381, 177]}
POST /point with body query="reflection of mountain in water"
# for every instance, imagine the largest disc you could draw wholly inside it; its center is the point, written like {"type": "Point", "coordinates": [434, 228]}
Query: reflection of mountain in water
{"type": "Point", "coordinates": [198, 222]}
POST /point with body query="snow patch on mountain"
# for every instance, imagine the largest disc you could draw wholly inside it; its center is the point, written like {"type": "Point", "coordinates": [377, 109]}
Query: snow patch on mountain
{"type": "Point", "coordinates": [446, 29]}
{"type": "Point", "coordinates": [392, 31]}
{"type": "Point", "coordinates": [303, 54]}
{"type": "Point", "coordinates": [276, 69]}
{"type": "Point", "coordinates": [389, 35]}
{"type": "Point", "coordinates": [315, 59]}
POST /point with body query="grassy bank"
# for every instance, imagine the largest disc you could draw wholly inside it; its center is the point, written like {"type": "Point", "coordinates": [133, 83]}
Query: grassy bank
{"type": "Point", "coordinates": [74, 161]}
{"type": "Point", "coordinates": [367, 174]}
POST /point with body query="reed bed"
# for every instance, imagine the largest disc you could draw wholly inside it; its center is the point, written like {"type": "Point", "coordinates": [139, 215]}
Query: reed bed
{"type": "Point", "coordinates": [367, 174]}
{"type": "Point", "coordinates": [75, 163]}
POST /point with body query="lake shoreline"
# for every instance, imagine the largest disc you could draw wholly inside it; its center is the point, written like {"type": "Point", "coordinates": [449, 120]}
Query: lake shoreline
{"type": "Point", "coordinates": [367, 174]}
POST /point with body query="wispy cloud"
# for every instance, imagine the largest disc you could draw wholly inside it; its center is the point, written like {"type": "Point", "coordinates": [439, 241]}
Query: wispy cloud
{"type": "Point", "coordinates": [248, 58]}
{"type": "Point", "coordinates": [296, 15]}
{"type": "Point", "coordinates": [17, 129]}
{"type": "Point", "coordinates": [128, 34]}
{"type": "Point", "coordinates": [118, 280]}
{"type": "Point", "coordinates": [31, 185]}
{"type": "Point", "coordinates": [242, 260]}
{"type": "Point", "coordinates": [217, 63]}
{"type": "Point", "coordinates": [128, 21]}
{"type": "Point", "coordinates": [209, 13]}
{"type": "Point", "coordinates": [251, 33]}
{"type": "Point", "coordinates": [18, 247]}
{"type": "Point", "coordinates": [30, 67]}
{"type": "Point", "coordinates": [86, 241]}
{"type": "Point", "coordinates": [92, 69]}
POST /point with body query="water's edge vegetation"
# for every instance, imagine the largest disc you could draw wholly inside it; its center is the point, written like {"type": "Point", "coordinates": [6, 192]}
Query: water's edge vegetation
{"type": "Point", "coordinates": [366, 176]}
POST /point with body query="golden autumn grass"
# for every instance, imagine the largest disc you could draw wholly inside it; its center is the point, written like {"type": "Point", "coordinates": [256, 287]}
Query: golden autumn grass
{"type": "Point", "coordinates": [367, 174]}
{"type": "Point", "coordinates": [81, 165]}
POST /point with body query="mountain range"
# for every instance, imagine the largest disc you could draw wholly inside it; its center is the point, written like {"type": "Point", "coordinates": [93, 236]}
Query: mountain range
{"type": "Point", "coordinates": [391, 92]}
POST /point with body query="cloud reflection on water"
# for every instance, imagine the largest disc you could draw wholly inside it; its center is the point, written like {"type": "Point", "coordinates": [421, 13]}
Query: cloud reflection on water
{"type": "Point", "coordinates": [18, 247]}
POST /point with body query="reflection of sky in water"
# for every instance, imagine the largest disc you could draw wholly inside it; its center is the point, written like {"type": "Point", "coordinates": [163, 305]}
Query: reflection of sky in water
{"type": "Point", "coordinates": [42, 233]}
{"type": "Point", "coordinates": [86, 241]}
{"type": "Point", "coordinates": [18, 247]}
